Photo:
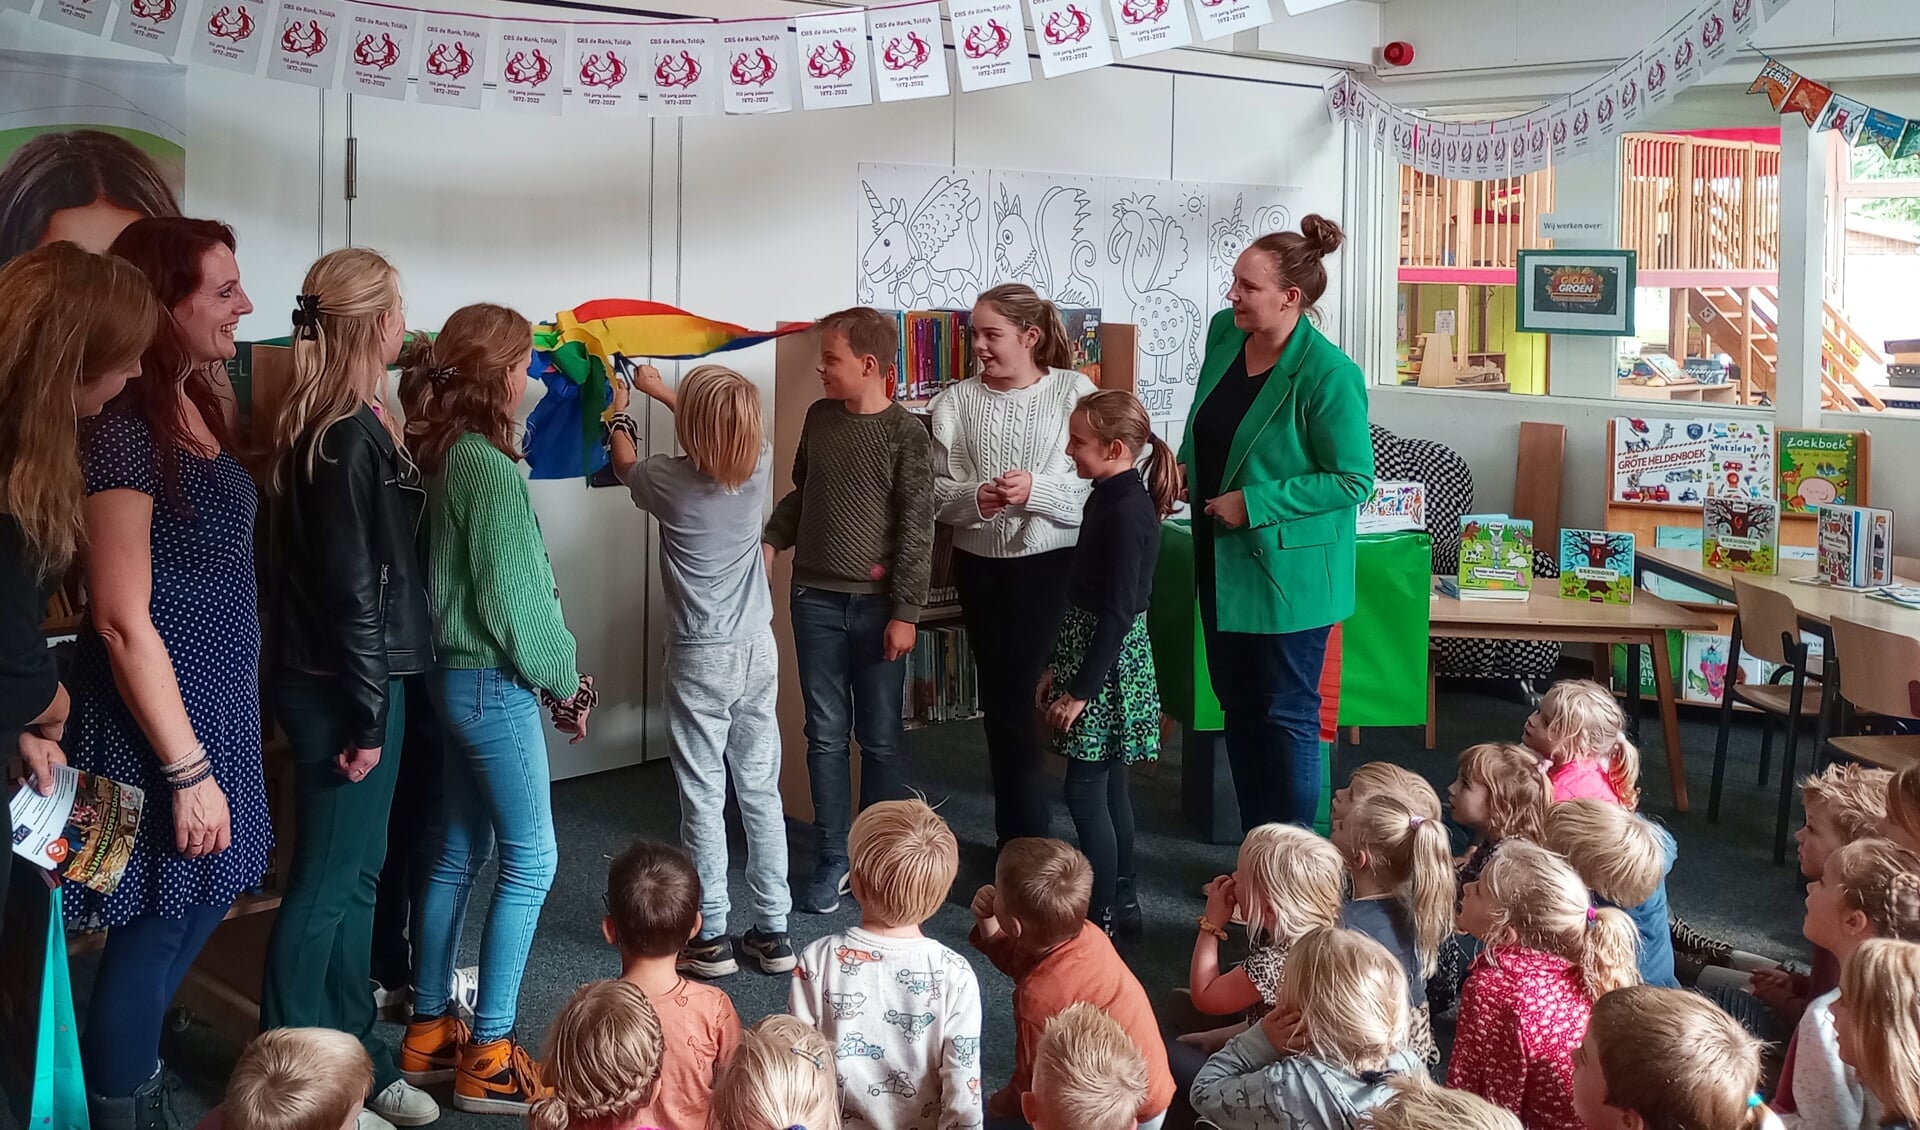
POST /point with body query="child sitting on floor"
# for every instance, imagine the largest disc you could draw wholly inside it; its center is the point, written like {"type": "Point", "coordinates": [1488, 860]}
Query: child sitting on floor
{"type": "Point", "coordinates": [1088, 1074]}
{"type": "Point", "coordinates": [1325, 1052]}
{"type": "Point", "coordinates": [1417, 1104]}
{"type": "Point", "coordinates": [1658, 1058]}
{"type": "Point", "coordinates": [1031, 923]}
{"type": "Point", "coordinates": [602, 1061]}
{"type": "Point", "coordinates": [1386, 777]}
{"type": "Point", "coordinates": [1581, 729]}
{"type": "Point", "coordinates": [782, 1076]}
{"type": "Point", "coordinates": [296, 1079]}
{"type": "Point", "coordinates": [1877, 1021]}
{"type": "Point", "coordinates": [902, 1010]}
{"type": "Point", "coordinates": [1550, 953]}
{"type": "Point", "coordinates": [1403, 892]}
{"type": "Point", "coordinates": [1287, 882]}
{"type": "Point", "coordinates": [1902, 824]}
{"type": "Point", "coordinates": [1499, 794]}
{"type": "Point", "coordinates": [1624, 859]}
{"type": "Point", "coordinates": [653, 908]}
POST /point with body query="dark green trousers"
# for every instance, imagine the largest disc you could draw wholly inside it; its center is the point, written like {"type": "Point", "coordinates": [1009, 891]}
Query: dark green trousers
{"type": "Point", "coordinates": [318, 959]}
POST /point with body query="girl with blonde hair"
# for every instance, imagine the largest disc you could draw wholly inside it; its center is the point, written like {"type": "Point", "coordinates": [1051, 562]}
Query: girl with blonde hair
{"type": "Point", "coordinates": [1877, 1019]}
{"type": "Point", "coordinates": [1666, 1059]}
{"type": "Point", "coordinates": [1386, 777]}
{"type": "Point", "coordinates": [1624, 859]}
{"type": "Point", "coordinates": [1580, 728]}
{"type": "Point", "coordinates": [1323, 1056]}
{"type": "Point", "coordinates": [1500, 793]}
{"type": "Point", "coordinates": [722, 666]}
{"type": "Point", "coordinates": [1403, 892]}
{"type": "Point", "coordinates": [349, 603]}
{"type": "Point", "coordinates": [781, 1076]}
{"type": "Point", "coordinates": [602, 1060]}
{"type": "Point", "coordinates": [1550, 953]}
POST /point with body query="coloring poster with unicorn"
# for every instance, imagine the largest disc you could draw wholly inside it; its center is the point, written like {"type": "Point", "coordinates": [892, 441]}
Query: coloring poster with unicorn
{"type": "Point", "coordinates": [922, 237]}
{"type": "Point", "coordinates": [1237, 215]}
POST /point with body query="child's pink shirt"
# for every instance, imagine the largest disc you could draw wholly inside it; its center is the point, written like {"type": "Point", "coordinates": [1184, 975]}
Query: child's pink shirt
{"type": "Point", "coordinates": [1583, 779]}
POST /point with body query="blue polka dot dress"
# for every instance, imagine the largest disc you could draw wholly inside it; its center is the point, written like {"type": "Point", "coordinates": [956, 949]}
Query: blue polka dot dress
{"type": "Point", "coordinates": [204, 608]}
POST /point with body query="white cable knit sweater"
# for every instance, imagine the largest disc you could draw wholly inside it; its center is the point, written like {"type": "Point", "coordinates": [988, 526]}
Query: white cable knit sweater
{"type": "Point", "coordinates": [980, 434]}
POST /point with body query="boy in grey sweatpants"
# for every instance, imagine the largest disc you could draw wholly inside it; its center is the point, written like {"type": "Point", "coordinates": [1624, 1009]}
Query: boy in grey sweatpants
{"type": "Point", "coordinates": [722, 669]}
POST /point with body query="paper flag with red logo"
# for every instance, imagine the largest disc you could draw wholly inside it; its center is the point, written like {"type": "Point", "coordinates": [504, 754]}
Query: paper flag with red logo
{"type": "Point", "coordinates": [229, 34]}
{"type": "Point", "coordinates": [531, 58]}
{"type": "Point", "coordinates": [89, 16]}
{"type": "Point", "coordinates": [758, 59]}
{"type": "Point", "coordinates": [681, 70]}
{"type": "Point", "coordinates": [1582, 117]}
{"type": "Point", "coordinates": [1452, 160]}
{"type": "Point", "coordinates": [151, 25]}
{"type": "Point", "coordinates": [1776, 80]}
{"type": "Point", "coordinates": [909, 52]}
{"type": "Point", "coordinates": [1883, 129]}
{"type": "Point", "coordinates": [1539, 145]}
{"type": "Point", "coordinates": [1683, 55]}
{"type": "Point", "coordinates": [836, 65]}
{"type": "Point", "coordinates": [306, 42]}
{"type": "Point", "coordinates": [1404, 140]}
{"type": "Point", "coordinates": [1844, 116]}
{"type": "Point", "coordinates": [1807, 99]}
{"type": "Point", "coordinates": [1746, 19]}
{"type": "Point", "coordinates": [1560, 129]}
{"type": "Point", "coordinates": [380, 50]}
{"type": "Point", "coordinates": [1071, 35]}
{"type": "Point", "coordinates": [1213, 19]}
{"type": "Point", "coordinates": [1628, 101]}
{"type": "Point", "coordinates": [990, 43]}
{"type": "Point", "coordinates": [1713, 26]}
{"type": "Point", "coordinates": [1656, 77]}
{"type": "Point", "coordinates": [604, 70]}
{"type": "Point", "coordinates": [453, 59]}
{"type": "Point", "coordinates": [1338, 89]}
{"type": "Point", "coordinates": [1143, 26]}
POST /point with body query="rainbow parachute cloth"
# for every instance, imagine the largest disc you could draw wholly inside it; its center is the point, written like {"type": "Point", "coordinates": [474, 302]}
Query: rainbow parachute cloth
{"type": "Point", "coordinates": [578, 352]}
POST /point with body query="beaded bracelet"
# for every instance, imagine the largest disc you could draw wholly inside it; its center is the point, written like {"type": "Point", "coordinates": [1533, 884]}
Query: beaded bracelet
{"type": "Point", "coordinates": [183, 784]}
{"type": "Point", "coordinates": [186, 766]}
{"type": "Point", "coordinates": [624, 424]}
{"type": "Point", "coordinates": [1207, 927]}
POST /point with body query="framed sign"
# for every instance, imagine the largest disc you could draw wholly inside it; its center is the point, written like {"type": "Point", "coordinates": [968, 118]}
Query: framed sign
{"type": "Point", "coordinates": [1577, 292]}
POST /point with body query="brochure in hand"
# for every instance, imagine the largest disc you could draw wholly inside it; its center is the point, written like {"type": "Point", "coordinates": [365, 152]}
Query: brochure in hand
{"type": "Point", "coordinates": [82, 831]}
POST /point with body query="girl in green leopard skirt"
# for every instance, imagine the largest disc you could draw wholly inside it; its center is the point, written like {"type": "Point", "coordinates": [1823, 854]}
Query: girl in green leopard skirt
{"type": "Point", "coordinates": [1099, 691]}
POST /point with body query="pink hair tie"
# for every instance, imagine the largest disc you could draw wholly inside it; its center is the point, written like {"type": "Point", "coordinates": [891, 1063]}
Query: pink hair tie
{"type": "Point", "coordinates": [1546, 766]}
{"type": "Point", "coordinates": [1415, 820]}
{"type": "Point", "coordinates": [1593, 915]}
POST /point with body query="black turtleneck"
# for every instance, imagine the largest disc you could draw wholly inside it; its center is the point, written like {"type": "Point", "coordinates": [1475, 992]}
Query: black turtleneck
{"type": "Point", "coordinates": [1112, 571]}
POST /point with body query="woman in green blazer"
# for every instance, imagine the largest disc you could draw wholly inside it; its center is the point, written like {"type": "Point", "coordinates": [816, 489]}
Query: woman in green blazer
{"type": "Point", "coordinates": [1278, 459]}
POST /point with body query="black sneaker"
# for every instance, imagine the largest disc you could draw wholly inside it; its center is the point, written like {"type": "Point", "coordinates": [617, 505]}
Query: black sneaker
{"type": "Point", "coordinates": [830, 881]}
{"type": "Point", "coordinates": [708, 957]}
{"type": "Point", "coordinates": [1127, 922]}
{"type": "Point", "coordinates": [773, 952]}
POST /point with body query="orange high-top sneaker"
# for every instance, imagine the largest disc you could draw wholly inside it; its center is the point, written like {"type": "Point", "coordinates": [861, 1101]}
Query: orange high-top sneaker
{"type": "Point", "coordinates": [431, 1050]}
{"type": "Point", "coordinates": [497, 1078]}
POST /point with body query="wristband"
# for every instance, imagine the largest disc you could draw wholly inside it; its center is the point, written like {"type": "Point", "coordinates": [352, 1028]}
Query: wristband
{"type": "Point", "coordinates": [624, 424]}
{"type": "Point", "coordinates": [1207, 927]}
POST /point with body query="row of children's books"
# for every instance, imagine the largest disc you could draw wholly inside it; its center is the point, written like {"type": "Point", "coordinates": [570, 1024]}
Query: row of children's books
{"type": "Point", "coordinates": [936, 348]}
{"type": "Point", "coordinates": [942, 685]}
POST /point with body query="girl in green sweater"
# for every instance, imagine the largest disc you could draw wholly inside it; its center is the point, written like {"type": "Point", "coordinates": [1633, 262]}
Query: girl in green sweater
{"type": "Point", "coordinates": [502, 648]}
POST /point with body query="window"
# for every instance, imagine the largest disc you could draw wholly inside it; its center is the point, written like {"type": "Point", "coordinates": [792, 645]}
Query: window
{"type": "Point", "coordinates": [1874, 261]}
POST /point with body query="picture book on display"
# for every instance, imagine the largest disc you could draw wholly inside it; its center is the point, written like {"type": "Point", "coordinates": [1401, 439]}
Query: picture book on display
{"type": "Point", "coordinates": [1854, 546]}
{"type": "Point", "coordinates": [1740, 460]}
{"type": "Point", "coordinates": [1394, 506]}
{"type": "Point", "coordinates": [1496, 559]}
{"type": "Point", "coordinates": [1661, 461]}
{"type": "Point", "coordinates": [1817, 469]}
{"type": "Point", "coordinates": [1597, 566]}
{"type": "Point", "coordinates": [1741, 534]}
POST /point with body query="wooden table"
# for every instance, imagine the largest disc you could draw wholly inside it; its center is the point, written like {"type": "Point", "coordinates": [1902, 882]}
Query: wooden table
{"type": "Point", "coordinates": [1548, 616]}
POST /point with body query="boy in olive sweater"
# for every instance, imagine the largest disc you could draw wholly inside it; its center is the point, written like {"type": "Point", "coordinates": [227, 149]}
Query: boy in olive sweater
{"type": "Point", "coordinates": [860, 522]}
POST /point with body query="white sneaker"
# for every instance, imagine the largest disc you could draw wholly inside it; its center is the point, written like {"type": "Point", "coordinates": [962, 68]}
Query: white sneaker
{"type": "Point", "coordinates": [464, 992]}
{"type": "Point", "coordinates": [391, 1004]}
{"type": "Point", "coordinates": [403, 1104]}
{"type": "Point", "coordinates": [371, 1121]}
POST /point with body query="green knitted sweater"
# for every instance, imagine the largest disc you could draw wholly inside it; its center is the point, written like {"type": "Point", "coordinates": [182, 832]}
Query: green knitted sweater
{"type": "Point", "coordinates": [494, 599]}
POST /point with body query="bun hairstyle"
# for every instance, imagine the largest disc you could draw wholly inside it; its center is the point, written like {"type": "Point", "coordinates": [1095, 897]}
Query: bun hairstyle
{"type": "Point", "coordinates": [1297, 257]}
{"type": "Point", "coordinates": [1881, 880]}
{"type": "Point", "coordinates": [1116, 415]}
{"type": "Point", "coordinates": [1675, 1059]}
{"type": "Point", "coordinates": [1022, 305]}
{"type": "Point", "coordinates": [1420, 1104]}
{"type": "Point", "coordinates": [1619, 854]}
{"type": "Point", "coordinates": [1410, 851]}
{"type": "Point", "coordinates": [1519, 792]}
{"type": "Point", "coordinates": [1880, 989]}
{"type": "Point", "coordinates": [1583, 719]}
{"type": "Point", "coordinates": [1385, 777]}
{"type": "Point", "coordinates": [602, 1060]}
{"type": "Point", "coordinates": [781, 1076]}
{"type": "Point", "coordinates": [1537, 896]}
{"type": "Point", "coordinates": [460, 382]}
{"type": "Point", "coordinates": [336, 356]}
{"type": "Point", "coordinates": [1352, 997]}
{"type": "Point", "coordinates": [1292, 881]}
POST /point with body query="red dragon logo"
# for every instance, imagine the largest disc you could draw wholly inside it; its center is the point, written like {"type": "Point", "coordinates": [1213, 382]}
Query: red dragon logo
{"type": "Point", "coordinates": [1070, 26]}
{"type": "Point", "coordinates": [682, 70]}
{"type": "Point", "coordinates": [605, 71]}
{"type": "Point", "coordinates": [450, 60]}
{"type": "Point", "coordinates": [1740, 9]}
{"type": "Point", "coordinates": [1500, 149]}
{"type": "Point", "coordinates": [307, 38]}
{"type": "Point", "coordinates": [380, 57]}
{"type": "Point", "coordinates": [830, 62]}
{"type": "Point", "coordinates": [1538, 143]}
{"type": "Point", "coordinates": [234, 23]}
{"type": "Point", "coordinates": [153, 11]}
{"type": "Point", "coordinates": [908, 56]}
{"type": "Point", "coordinates": [1629, 93]}
{"type": "Point", "coordinates": [1560, 131]}
{"type": "Point", "coordinates": [756, 69]}
{"type": "Point", "coordinates": [989, 41]}
{"type": "Point", "coordinates": [1142, 11]}
{"type": "Point", "coordinates": [528, 68]}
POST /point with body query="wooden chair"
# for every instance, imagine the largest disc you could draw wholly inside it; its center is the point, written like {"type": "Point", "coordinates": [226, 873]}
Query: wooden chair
{"type": "Point", "coordinates": [1767, 628]}
{"type": "Point", "coordinates": [1878, 672]}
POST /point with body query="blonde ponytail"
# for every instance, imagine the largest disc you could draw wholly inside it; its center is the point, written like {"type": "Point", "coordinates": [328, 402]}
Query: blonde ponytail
{"type": "Point", "coordinates": [336, 356]}
{"type": "Point", "coordinates": [1623, 771]}
{"type": "Point", "coordinates": [1610, 952]}
{"type": "Point", "coordinates": [1410, 852]}
{"type": "Point", "coordinates": [1541, 903]}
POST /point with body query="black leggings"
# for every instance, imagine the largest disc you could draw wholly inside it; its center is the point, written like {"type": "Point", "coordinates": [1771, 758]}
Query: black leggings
{"type": "Point", "coordinates": [1103, 818]}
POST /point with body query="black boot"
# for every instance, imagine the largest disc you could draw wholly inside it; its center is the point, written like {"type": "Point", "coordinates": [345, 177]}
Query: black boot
{"type": "Point", "coordinates": [1127, 922]}
{"type": "Point", "coordinates": [150, 1107]}
{"type": "Point", "coordinates": [1102, 916]}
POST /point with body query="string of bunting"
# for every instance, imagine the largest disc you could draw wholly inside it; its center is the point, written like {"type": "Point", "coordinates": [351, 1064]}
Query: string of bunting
{"type": "Point", "coordinates": [837, 58]}
{"type": "Point", "coordinates": [1824, 108]}
{"type": "Point", "coordinates": [1596, 115]}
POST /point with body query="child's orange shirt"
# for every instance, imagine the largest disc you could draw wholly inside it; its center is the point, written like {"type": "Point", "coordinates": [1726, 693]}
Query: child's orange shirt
{"type": "Point", "coordinates": [1083, 968]}
{"type": "Point", "coordinates": [701, 1032]}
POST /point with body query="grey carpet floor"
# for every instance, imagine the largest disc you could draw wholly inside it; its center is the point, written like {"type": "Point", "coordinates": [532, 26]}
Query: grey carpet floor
{"type": "Point", "coordinates": [1724, 881]}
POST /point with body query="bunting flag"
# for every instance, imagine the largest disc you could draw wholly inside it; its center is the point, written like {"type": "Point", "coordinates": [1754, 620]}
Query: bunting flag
{"type": "Point", "coordinates": [1807, 99]}
{"type": "Point", "coordinates": [1775, 80]}
{"type": "Point", "coordinates": [1883, 129]}
{"type": "Point", "coordinates": [577, 354]}
{"type": "Point", "coordinates": [1844, 116]}
{"type": "Point", "coordinates": [836, 64]}
{"type": "Point", "coordinates": [1790, 92]}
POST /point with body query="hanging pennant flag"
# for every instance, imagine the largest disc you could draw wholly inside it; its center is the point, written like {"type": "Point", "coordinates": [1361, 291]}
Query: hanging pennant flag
{"type": "Point", "coordinates": [836, 66]}
{"type": "Point", "coordinates": [1583, 117]}
{"type": "Point", "coordinates": [1745, 20]}
{"type": "Point", "coordinates": [1476, 151]}
{"type": "Point", "coordinates": [380, 55]}
{"type": "Point", "coordinates": [1683, 56]}
{"type": "Point", "coordinates": [453, 59]}
{"type": "Point", "coordinates": [1626, 93]}
{"type": "Point", "coordinates": [603, 67]}
{"type": "Point", "coordinates": [306, 49]}
{"type": "Point", "coordinates": [1883, 129]}
{"type": "Point", "coordinates": [1379, 126]}
{"type": "Point", "coordinates": [89, 16]}
{"type": "Point", "coordinates": [1714, 27]}
{"type": "Point", "coordinates": [681, 70]}
{"type": "Point", "coordinates": [759, 62]}
{"type": "Point", "coordinates": [1509, 147]}
{"type": "Point", "coordinates": [1656, 78]}
{"type": "Point", "coordinates": [1144, 26]}
{"type": "Point", "coordinates": [1405, 140]}
{"type": "Point", "coordinates": [1776, 80]}
{"type": "Point", "coordinates": [909, 52]}
{"type": "Point", "coordinates": [1909, 141]}
{"type": "Point", "coordinates": [151, 25]}
{"type": "Point", "coordinates": [1807, 99]}
{"type": "Point", "coordinates": [1338, 87]}
{"type": "Point", "coordinates": [1215, 18]}
{"type": "Point", "coordinates": [1844, 116]}
{"type": "Point", "coordinates": [531, 55]}
{"type": "Point", "coordinates": [230, 34]}
{"type": "Point", "coordinates": [1072, 36]}
{"type": "Point", "coordinates": [990, 43]}
{"type": "Point", "coordinates": [1453, 161]}
{"type": "Point", "coordinates": [1559, 129]}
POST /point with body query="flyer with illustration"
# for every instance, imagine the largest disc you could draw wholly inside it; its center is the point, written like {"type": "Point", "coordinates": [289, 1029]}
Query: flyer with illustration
{"type": "Point", "coordinates": [82, 831]}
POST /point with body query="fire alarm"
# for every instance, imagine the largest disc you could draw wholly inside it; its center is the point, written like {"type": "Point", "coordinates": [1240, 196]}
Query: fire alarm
{"type": "Point", "coordinates": [1399, 53]}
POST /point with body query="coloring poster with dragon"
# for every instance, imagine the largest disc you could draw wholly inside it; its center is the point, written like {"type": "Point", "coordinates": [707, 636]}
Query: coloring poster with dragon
{"type": "Point", "coordinates": [1046, 233]}
{"type": "Point", "coordinates": [922, 237]}
{"type": "Point", "coordinates": [1156, 263]}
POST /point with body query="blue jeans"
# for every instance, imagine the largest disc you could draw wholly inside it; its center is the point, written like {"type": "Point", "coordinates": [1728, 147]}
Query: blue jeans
{"type": "Point", "coordinates": [141, 968]}
{"type": "Point", "coordinates": [1269, 692]}
{"type": "Point", "coordinates": [497, 791]}
{"type": "Point", "coordinates": [839, 639]}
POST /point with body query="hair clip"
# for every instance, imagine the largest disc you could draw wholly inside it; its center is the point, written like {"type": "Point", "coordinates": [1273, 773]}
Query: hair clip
{"type": "Point", "coordinates": [819, 1063]}
{"type": "Point", "coordinates": [1754, 1100]}
{"type": "Point", "coordinates": [440, 374]}
{"type": "Point", "coordinates": [306, 317]}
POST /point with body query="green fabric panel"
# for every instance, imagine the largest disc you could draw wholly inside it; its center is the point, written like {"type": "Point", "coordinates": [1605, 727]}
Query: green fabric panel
{"type": "Point", "coordinates": [1173, 626]}
{"type": "Point", "coordinates": [1384, 652]}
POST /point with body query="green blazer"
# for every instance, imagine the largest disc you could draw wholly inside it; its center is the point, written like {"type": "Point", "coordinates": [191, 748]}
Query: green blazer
{"type": "Point", "coordinates": [1303, 457]}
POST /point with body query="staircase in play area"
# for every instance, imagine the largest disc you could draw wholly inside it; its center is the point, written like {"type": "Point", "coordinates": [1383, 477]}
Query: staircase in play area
{"type": "Point", "coordinates": [1743, 322]}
